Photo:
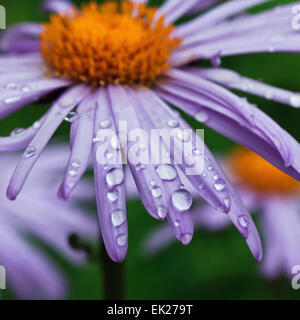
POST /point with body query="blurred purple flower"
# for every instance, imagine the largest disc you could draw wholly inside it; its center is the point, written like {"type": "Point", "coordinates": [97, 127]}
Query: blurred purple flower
{"type": "Point", "coordinates": [276, 199]}
{"type": "Point", "coordinates": [201, 93]}
{"type": "Point", "coordinates": [30, 273]}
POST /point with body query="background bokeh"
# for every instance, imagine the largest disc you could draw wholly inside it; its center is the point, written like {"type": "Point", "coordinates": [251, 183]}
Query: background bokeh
{"type": "Point", "coordinates": [215, 265]}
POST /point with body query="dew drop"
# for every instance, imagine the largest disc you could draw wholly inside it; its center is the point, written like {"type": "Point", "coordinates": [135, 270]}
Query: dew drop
{"type": "Point", "coordinates": [210, 168]}
{"type": "Point", "coordinates": [197, 152]}
{"type": "Point", "coordinates": [30, 152]}
{"type": "Point", "coordinates": [201, 116]}
{"type": "Point", "coordinates": [153, 183]}
{"type": "Point", "coordinates": [75, 163]}
{"type": "Point", "coordinates": [201, 186]}
{"type": "Point", "coordinates": [220, 185]}
{"type": "Point", "coordinates": [244, 221]}
{"type": "Point", "coordinates": [186, 238]}
{"type": "Point", "coordinates": [216, 177]}
{"type": "Point", "coordinates": [166, 172]}
{"type": "Point", "coordinates": [113, 195]}
{"type": "Point", "coordinates": [115, 177]}
{"type": "Point", "coordinates": [66, 102]}
{"type": "Point", "coordinates": [17, 131]}
{"type": "Point", "coordinates": [115, 143]}
{"type": "Point", "coordinates": [118, 217]}
{"type": "Point", "coordinates": [295, 101]}
{"type": "Point", "coordinates": [71, 117]}
{"type": "Point", "coordinates": [12, 99]}
{"type": "Point", "coordinates": [156, 192]}
{"type": "Point", "coordinates": [173, 123]}
{"type": "Point", "coordinates": [183, 135]}
{"type": "Point", "coordinates": [182, 200]}
{"type": "Point", "coordinates": [227, 203]}
{"type": "Point", "coordinates": [36, 125]}
{"type": "Point", "coordinates": [25, 89]}
{"type": "Point", "coordinates": [11, 86]}
{"type": "Point", "coordinates": [162, 211]}
{"type": "Point", "coordinates": [72, 173]}
{"type": "Point", "coordinates": [176, 223]}
{"type": "Point", "coordinates": [105, 124]}
{"type": "Point", "coordinates": [269, 94]}
{"type": "Point", "coordinates": [122, 240]}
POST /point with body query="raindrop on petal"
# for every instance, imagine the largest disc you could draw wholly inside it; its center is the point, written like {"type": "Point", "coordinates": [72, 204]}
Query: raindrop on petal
{"type": "Point", "coordinates": [17, 131]}
{"type": "Point", "coordinates": [156, 192]}
{"type": "Point", "coordinates": [118, 217]}
{"type": "Point", "coordinates": [173, 123]}
{"type": "Point", "coordinates": [166, 172]}
{"type": "Point", "coordinates": [182, 200]}
{"type": "Point", "coordinates": [244, 221]}
{"type": "Point", "coordinates": [201, 116]}
{"type": "Point", "coordinates": [122, 240]}
{"type": "Point", "coordinates": [115, 177]}
{"type": "Point", "coordinates": [30, 152]}
{"type": "Point", "coordinates": [162, 211]}
{"type": "Point", "coordinates": [113, 195]}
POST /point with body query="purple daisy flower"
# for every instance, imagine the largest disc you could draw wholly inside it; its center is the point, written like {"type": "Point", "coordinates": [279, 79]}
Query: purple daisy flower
{"type": "Point", "coordinates": [275, 196]}
{"type": "Point", "coordinates": [124, 62]}
{"type": "Point", "coordinates": [30, 273]}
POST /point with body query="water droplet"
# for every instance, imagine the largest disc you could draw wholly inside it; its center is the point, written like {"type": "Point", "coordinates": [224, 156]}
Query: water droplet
{"type": "Point", "coordinates": [182, 200]}
{"type": "Point", "coordinates": [115, 177]}
{"type": "Point", "coordinates": [162, 212]}
{"type": "Point", "coordinates": [113, 195]}
{"type": "Point", "coordinates": [118, 217]}
{"type": "Point", "coordinates": [216, 177]}
{"type": "Point", "coordinates": [173, 123]}
{"type": "Point", "coordinates": [17, 131]}
{"type": "Point", "coordinates": [156, 192]}
{"type": "Point", "coordinates": [210, 168]}
{"type": "Point", "coordinates": [115, 143]}
{"type": "Point", "coordinates": [244, 221]}
{"type": "Point", "coordinates": [36, 125]}
{"type": "Point", "coordinates": [71, 117]}
{"type": "Point", "coordinates": [66, 102]}
{"type": "Point", "coordinates": [105, 124]}
{"type": "Point", "coordinates": [72, 173]}
{"type": "Point", "coordinates": [186, 238]}
{"type": "Point", "coordinates": [166, 172]}
{"type": "Point", "coordinates": [201, 116]}
{"type": "Point", "coordinates": [12, 99]}
{"type": "Point", "coordinates": [227, 203]}
{"type": "Point", "coordinates": [122, 240]}
{"type": "Point", "coordinates": [71, 184]}
{"type": "Point", "coordinates": [197, 152]}
{"type": "Point", "coordinates": [75, 163]}
{"type": "Point", "coordinates": [153, 183]}
{"type": "Point", "coordinates": [201, 186]}
{"type": "Point", "coordinates": [183, 135]}
{"type": "Point", "coordinates": [295, 101]}
{"type": "Point", "coordinates": [176, 223]}
{"type": "Point", "coordinates": [25, 89]}
{"type": "Point", "coordinates": [269, 94]}
{"type": "Point", "coordinates": [12, 86]}
{"type": "Point", "coordinates": [220, 185]}
{"type": "Point", "coordinates": [30, 152]}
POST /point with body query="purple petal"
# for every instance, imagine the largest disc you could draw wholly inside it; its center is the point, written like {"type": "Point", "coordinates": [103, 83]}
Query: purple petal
{"type": "Point", "coordinates": [82, 143]}
{"type": "Point", "coordinates": [56, 115]}
{"type": "Point", "coordinates": [109, 183]}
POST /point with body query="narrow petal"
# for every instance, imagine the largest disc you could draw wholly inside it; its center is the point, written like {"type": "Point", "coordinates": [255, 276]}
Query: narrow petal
{"type": "Point", "coordinates": [109, 183]}
{"type": "Point", "coordinates": [256, 121]}
{"type": "Point", "coordinates": [55, 116]}
{"type": "Point", "coordinates": [233, 80]}
{"type": "Point", "coordinates": [82, 143]}
{"type": "Point", "coordinates": [20, 138]}
{"type": "Point", "coordinates": [57, 6]}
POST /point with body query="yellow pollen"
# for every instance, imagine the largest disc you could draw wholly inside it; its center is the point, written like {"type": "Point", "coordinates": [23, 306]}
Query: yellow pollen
{"type": "Point", "coordinates": [102, 44]}
{"type": "Point", "coordinates": [261, 176]}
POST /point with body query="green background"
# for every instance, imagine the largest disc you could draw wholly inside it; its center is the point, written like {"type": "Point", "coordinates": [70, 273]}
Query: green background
{"type": "Point", "coordinates": [215, 265]}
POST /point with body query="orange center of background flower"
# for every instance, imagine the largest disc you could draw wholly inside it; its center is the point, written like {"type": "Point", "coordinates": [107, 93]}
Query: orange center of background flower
{"type": "Point", "coordinates": [106, 43]}
{"type": "Point", "coordinates": [258, 174]}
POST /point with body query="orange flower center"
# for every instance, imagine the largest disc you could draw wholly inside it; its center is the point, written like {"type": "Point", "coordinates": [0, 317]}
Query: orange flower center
{"type": "Point", "coordinates": [102, 44]}
{"type": "Point", "coordinates": [261, 176]}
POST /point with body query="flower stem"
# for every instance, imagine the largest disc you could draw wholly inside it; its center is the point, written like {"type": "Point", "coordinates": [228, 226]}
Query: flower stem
{"type": "Point", "coordinates": [112, 277]}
